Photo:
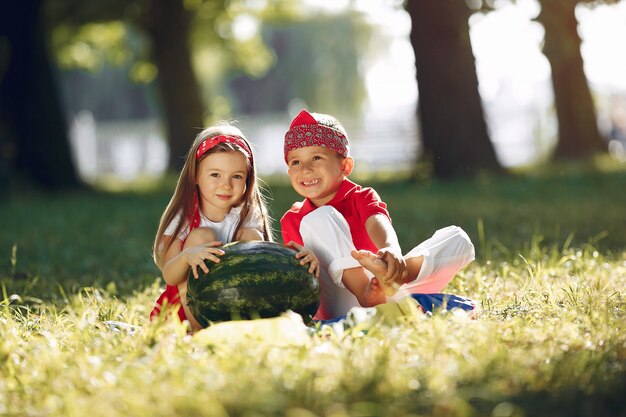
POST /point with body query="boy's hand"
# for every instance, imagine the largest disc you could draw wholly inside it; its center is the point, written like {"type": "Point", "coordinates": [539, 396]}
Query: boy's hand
{"type": "Point", "coordinates": [396, 267]}
{"type": "Point", "coordinates": [306, 256]}
{"type": "Point", "coordinates": [196, 255]}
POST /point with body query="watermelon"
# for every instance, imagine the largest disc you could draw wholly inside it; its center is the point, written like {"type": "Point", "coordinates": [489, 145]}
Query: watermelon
{"type": "Point", "coordinates": [252, 279]}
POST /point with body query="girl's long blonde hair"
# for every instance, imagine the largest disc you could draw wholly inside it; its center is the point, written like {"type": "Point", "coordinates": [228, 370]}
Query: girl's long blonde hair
{"type": "Point", "coordinates": [182, 202]}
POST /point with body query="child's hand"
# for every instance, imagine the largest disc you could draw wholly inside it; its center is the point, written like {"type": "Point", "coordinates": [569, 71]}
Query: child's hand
{"type": "Point", "coordinates": [306, 256]}
{"type": "Point", "coordinates": [196, 255]}
{"type": "Point", "coordinates": [396, 267]}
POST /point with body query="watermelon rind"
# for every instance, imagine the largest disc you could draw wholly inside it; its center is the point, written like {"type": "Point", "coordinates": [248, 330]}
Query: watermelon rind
{"type": "Point", "coordinates": [252, 280]}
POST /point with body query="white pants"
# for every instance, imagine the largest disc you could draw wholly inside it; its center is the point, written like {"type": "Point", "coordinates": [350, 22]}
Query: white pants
{"type": "Point", "coordinates": [326, 232]}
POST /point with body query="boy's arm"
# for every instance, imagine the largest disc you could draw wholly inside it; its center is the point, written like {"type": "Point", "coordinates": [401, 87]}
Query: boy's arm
{"type": "Point", "coordinates": [384, 236]}
{"type": "Point", "coordinates": [294, 240]}
{"type": "Point", "coordinates": [306, 256]}
{"type": "Point", "coordinates": [289, 230]}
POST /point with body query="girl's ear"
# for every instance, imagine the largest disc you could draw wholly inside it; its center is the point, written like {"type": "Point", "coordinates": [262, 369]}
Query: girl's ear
{"type": "Point", "coordinates": [347, 166]}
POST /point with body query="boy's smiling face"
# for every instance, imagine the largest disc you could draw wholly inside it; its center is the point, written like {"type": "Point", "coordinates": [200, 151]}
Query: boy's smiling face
{"type": "Point", "coordinates": [317, 172]}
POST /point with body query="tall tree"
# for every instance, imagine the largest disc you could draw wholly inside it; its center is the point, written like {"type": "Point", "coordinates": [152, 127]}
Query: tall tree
{"type": "Point", "coordinates": [454, 131]}
{"type": "Point", "coordinates": [578, 134]}
{"type": "Point", "coordinates": [167, 24]}
{"type": "Point", "coordinates": [30, 111]}
{"type": "Point", "coordinates": [173, 28]}
{"type": "Point", "coordinates": [578, 129]}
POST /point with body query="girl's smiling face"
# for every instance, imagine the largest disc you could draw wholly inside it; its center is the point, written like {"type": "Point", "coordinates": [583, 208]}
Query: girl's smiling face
{"type": "Point", "coordinates": [317, 172]}
{"type": "Point", "coordinates": [221, 180]}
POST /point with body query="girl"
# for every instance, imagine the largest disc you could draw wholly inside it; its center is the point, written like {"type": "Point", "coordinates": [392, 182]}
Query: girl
{"type": "Point", "coordinates": [217, 200]}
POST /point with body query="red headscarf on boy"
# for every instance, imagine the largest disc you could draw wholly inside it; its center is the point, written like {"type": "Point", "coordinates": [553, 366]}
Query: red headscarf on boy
{"type": "Point", "coordinates": [305, 130]}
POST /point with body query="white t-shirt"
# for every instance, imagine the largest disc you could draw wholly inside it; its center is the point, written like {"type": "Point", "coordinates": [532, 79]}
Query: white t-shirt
{"type": "Point", "coordinates": [224, 230]}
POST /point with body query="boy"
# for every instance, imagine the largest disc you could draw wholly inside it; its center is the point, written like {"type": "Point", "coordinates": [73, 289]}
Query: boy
{"type": "Point", "coordinates": [349, 229]}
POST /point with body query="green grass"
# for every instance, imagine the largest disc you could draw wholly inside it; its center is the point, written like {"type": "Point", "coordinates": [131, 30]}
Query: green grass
{"type": "Point", "coordinates": [550, 277]}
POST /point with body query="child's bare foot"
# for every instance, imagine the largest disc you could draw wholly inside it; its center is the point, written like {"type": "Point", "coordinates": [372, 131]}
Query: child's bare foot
{"type": "Point", "coordinates": [375, 265]}
{"type": "Point", "coordinates": [374, 294]}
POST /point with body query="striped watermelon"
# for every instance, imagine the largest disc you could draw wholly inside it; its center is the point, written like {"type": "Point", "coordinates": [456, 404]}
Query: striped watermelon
{"type": "Point", "coordinates": [252, 279]}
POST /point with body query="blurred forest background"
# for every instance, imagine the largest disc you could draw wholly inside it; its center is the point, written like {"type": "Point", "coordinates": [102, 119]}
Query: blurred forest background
{"type": "Point", "coordinates": [96, 90]}
{"type": "Point", "coordinates": [504, 117]}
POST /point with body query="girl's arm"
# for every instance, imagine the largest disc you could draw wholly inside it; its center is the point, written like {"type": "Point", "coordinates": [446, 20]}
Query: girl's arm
{"type": "Point", "coordinates": [384, 236]}
{"type": "Point", "coordinates": [176, 261]}
{"type": "Point", "coordinates": [248, 233]}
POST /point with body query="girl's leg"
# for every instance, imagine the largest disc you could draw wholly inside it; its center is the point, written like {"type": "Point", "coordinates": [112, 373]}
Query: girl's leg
{"type": "Point", "coordinates": [326, 232]}
{"type": "Point", "coordinates": [197, 237]}
{"type": "Point", "coordinates": [434, 262]}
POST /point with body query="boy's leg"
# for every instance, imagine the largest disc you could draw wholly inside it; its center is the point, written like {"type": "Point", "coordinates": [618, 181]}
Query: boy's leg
{"type": "Point", "coordinates": [434, 262]}
{"type": "Point", "coordinates": [326, 232]}
{"type": "Point", "coordinates": [196, 237]}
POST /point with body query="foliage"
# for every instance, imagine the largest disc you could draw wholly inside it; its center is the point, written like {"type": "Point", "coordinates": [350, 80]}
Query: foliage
{"type": "Point", "coordinates": [550, 338]}
{"type": "Point", "coordinates": [317, 60]}
{"type": "Point", "coordinates": [94, 36]}
{"type": "Point", "coordinates": [488, 5]}
{"type": "Point", "coordinates": [236, 38]}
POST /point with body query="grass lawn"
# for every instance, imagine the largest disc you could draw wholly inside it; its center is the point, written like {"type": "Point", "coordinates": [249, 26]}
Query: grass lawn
{"type": "Point", "coordinates": [550, 277]}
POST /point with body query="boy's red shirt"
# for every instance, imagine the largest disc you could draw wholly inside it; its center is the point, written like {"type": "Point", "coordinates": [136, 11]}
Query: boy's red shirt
{"type": "Point", "coordinates": [354, 202]}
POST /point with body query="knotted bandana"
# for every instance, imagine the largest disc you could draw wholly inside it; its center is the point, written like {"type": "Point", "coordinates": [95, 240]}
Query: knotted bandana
{"type": "Point", "coordinates": [213, 141]}
{"type": "Point", "coordinates": [306, 131]}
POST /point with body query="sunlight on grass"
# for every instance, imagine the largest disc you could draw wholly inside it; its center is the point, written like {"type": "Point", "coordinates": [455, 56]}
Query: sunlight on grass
{"type": "Point", "coordinates": [549, 340]}
{"type": "Point", "coordinates": [551, 326]}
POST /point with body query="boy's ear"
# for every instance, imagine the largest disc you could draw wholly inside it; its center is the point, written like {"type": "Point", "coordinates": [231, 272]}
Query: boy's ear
{"type": "Point", "coordinates": [347, 166]}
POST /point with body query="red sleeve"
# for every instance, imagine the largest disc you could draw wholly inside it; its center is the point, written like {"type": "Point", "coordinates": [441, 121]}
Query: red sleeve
{"type": "Point", "coordinates": [290, 228]}
{"type": "Point", "coordinates": [369, 203]}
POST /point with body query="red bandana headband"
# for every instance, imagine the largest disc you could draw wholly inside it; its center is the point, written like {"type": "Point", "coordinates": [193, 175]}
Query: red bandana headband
{"type": "Point", "coordinates": [215, 140]}
{"type": "Point", "coordinates": [194, 219]}
{"type": "Point", "coordinates": [306, 131]}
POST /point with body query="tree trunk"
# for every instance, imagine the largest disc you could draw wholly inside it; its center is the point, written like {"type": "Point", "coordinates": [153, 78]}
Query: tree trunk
{"type": "Point", "coordinates": [168, 24]}
{"type": "Point", "coordinates": [450, 109]}
{"type": "Point", "coordinates": [578, 129]}
{"type": "Point", "coordinates": [30, 110]}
